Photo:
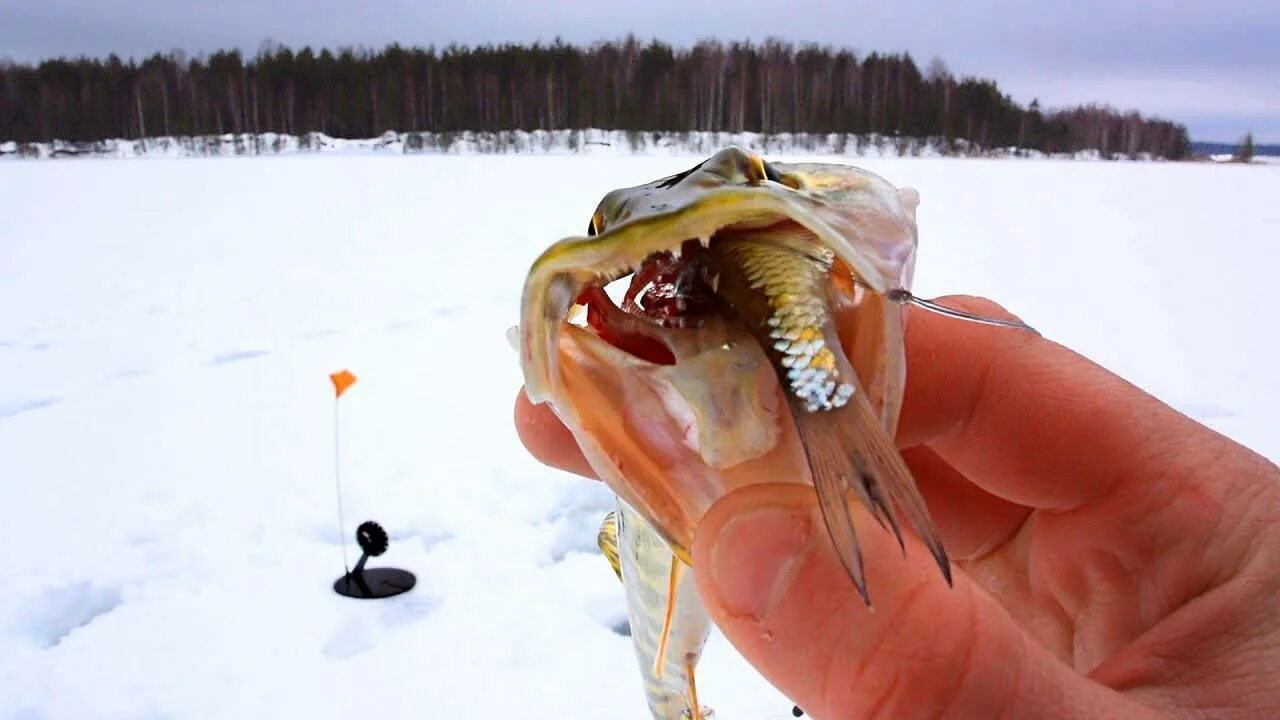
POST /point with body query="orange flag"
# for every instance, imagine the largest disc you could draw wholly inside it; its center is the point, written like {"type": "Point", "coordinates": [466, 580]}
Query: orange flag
{"type": "Point", "coordinates": [342, 380]}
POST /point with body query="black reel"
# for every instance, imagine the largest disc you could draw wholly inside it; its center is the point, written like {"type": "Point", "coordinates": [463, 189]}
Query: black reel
{"type": "Point", "coordinates": [371, 538]}
{"type": "Point", "coordinates": [373, 583]}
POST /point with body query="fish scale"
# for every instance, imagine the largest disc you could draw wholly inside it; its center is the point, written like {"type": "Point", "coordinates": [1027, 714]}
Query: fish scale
{"type": "Point", "coordinates": [793, 287]}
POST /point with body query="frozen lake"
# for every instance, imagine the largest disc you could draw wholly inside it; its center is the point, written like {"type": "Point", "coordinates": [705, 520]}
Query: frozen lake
{"type": "Point", "coordinates": [166, 332]}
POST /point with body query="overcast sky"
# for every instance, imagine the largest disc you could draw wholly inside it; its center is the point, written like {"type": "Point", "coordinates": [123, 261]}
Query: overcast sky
{"type": "Point", "coordinates": [1213, 65]}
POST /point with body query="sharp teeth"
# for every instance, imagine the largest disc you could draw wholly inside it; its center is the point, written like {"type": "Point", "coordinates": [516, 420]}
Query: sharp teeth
{"type": "Point", "coordinates": [706, 241]}
{"type": "Point", "coordinates": [715, 283]}
{"type": "Point", "coordinates": [675, 253]}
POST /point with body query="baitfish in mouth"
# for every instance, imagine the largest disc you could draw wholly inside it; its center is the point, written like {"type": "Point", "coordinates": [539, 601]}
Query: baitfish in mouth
{"type": "Point", "coordinates": [760, 340]}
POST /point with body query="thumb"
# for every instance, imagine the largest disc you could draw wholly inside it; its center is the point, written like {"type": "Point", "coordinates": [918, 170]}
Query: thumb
{"type": "Point", "coordinates": [775, 588]}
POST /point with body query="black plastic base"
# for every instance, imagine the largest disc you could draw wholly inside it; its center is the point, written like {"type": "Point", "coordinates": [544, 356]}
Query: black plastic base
{"type": "Point", "coordinates": [375, 583]}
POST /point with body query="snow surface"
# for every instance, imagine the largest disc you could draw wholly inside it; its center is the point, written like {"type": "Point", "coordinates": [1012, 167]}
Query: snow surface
{"type": "Point", "coordinates": [166, 417]}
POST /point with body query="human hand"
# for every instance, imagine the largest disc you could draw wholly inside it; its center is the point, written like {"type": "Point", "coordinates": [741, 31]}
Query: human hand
{"type": "Point", "coordinates": [1115, 558]}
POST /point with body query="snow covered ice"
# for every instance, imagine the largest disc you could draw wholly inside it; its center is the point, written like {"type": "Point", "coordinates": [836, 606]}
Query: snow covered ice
{"type": "Point", "coordinates": [166, 331]}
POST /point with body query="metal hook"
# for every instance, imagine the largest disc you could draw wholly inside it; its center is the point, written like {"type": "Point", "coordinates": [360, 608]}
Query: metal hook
{"type": "Point", "coordinates": [902, 295]}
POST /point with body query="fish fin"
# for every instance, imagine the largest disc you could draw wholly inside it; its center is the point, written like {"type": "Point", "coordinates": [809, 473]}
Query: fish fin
{"type": "Point", "coordinates": [848, 449]}
{"type": "Point", "coordinates": [673, 583]}
{"type": "Point", "coordinates": [607, 539]}
{"type": "Point", "coordinates": [832, 469]}
{"type": "Point", "coordinates": [695, 710]}
{"type": "Point", "coordinates": [887, 472]}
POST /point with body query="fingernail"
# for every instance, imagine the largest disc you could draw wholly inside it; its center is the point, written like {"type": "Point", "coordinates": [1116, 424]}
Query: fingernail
{"type": "Point", "coordinates": [755, 558]}
{"type": "Point", "coordinates": [513, 337]}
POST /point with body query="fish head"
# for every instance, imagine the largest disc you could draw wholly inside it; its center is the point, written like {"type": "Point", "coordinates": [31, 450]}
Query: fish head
{"type": "Point", "coordinates": [672, 400]}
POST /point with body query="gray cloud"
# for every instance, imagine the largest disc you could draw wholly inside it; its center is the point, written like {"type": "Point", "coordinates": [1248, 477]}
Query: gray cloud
{"type": "Point", "coordinates": [1211, 65]}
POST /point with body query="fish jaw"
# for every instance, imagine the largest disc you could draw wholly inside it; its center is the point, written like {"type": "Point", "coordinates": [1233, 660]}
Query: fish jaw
{"type": "Point", "coordinates": [868, 224]}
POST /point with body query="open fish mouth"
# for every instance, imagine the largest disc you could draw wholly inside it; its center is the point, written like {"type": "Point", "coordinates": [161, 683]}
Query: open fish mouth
{"type": "Point", "coordinates": [754, 342]}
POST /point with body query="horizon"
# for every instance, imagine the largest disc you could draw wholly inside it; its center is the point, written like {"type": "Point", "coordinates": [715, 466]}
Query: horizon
{"type": "Point", "coordinates": [1210, 69]}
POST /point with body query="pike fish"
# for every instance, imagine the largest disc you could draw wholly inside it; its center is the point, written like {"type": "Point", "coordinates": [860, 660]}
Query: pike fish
{"type": "Point", "coordinates": [760, 340]}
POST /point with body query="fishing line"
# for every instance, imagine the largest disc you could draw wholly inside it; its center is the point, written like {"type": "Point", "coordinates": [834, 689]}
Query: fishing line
{"type": "Point", "coordinates": [903, 296]}
{"type": "Point", "coordinates": [337, 481]}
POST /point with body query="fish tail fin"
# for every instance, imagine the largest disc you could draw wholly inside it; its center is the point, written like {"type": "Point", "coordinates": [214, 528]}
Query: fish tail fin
{"type": "Point", "coordinates": [848, 449]}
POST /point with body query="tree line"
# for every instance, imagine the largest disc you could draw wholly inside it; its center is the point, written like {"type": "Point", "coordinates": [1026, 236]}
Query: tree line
{"type": "Point", "coordinates": [770, 87]}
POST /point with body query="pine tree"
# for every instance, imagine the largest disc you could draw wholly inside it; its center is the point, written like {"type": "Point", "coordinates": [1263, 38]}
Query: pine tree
{"type": "Point", "coordinates": [1244, 153]}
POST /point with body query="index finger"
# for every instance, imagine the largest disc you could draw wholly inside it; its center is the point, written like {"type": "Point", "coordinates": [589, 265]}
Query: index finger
{"type": "Point", "coordinates": [1027, 419]}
